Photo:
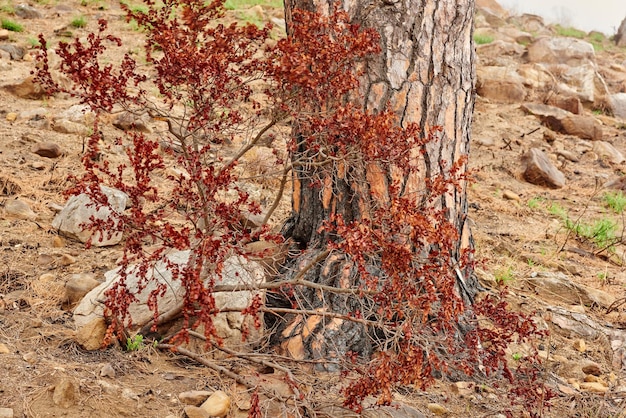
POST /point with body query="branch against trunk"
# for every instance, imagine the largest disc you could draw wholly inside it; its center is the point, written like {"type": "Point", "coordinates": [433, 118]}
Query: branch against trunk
{"type": "Point", "coordinates": [425, 77]}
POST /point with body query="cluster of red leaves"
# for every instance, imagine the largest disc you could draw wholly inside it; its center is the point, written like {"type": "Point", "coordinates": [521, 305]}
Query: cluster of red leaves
{"type": "Point", "coordinates": [313, 83]}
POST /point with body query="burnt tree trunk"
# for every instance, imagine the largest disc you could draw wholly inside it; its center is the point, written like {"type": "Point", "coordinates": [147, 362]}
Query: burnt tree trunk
{"type": "Point", "coordinates": [426, 74]}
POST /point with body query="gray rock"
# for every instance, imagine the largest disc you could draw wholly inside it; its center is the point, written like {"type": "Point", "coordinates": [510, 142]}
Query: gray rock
{"type": "Point", "coordinates": [88, 315]}
{"type": "Point", "coordinates": [78, 211]}
{"type": "Point", "coordinates": [529, 22]}
{"type": "Point", "coordinates": [15, 51]}
{"type": "Point", "coordinates": [620, 36]}
{"type": "Point", "coordinates": [47, 150]}
{"type": "Point", "coordinates": [556, 50]}
{"type": "Point", "coordinates": [605, 149]}
{"type": "Point", "coordinates": [539, 170]}
{"type": "Point", "coordinates": [107, 371]}
{"type": "Point", "coordinates": [27, 12]}
{"type": "Point", "coordinates": [617, 102]}
{"type": "Point", "coordinates": [78, 114]}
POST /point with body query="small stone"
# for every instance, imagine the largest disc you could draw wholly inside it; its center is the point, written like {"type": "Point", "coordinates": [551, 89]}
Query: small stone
{"type": "Point", "coordinates": [36, 323]}
{"type": "Point", "coordinates": [509, 195]}
{"type": "Point", "coordinates": [19, 209]}
{"type": "Point", "coordinates": [539, 170]}
{"type": "Point", "coordinates": [4, 34]}
{"type": "Point", "coordinates": [594, 387]}
{"type": "Point", "coordinates": [44, 259]}
{"type": "Point", "coordinates": [10, 117]}
{"type": "Point", "coordinates": [196, 412]}
{"type": "Point", "coordinates": [67, 260]}
{"type": "Point", "coordinates": [194, 397]}
{"type": "Point", "coordinates": [128, 393]}
{"type": "Point", "coordinates": [47, 150]}
{"type": "Point", "coordinates": [30, 357]}
{"type": "Point", "coordinates": [463, 388]}
{"type": "Point", "coordinates": [58, 242]}
{"type": "Point", "coordinates": [64, 394]}
{"type": "Point", "coordinates": [217, 405]}
{"type": "Point", "coordinates": [107, 371]}
{"type": "Point", "coordinates": [580, 345]}
{"type": "Point", "coordinates": [592, 368]}
{"type": "Point", "coordinates": [38, 165]}
{"type": "Point", "coordinates": [6, 413]}
{"type": "Point", "coordinates": [108, 387]}
{"type": "Point", "coordinates": [46, 278]}
{"type": "Point", "coordinates": [437, 409]}
{"type": "Point", "coordinates": [4, 349]}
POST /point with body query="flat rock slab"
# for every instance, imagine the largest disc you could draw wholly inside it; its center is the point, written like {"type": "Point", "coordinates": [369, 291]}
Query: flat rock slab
{"type": "Point", "coordinates": [565, 122]}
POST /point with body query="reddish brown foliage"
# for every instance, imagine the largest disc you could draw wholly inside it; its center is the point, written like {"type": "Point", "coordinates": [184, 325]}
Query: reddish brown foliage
{"type": "Point", "coordinates": [205, 72]}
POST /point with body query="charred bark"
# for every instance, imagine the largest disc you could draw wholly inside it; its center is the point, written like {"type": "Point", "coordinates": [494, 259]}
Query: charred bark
{"type": "Point", "coordinates": [425, 74]}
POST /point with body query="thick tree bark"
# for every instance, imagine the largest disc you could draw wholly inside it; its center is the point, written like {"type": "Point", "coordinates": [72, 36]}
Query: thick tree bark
{"type": "Point", "coordinates": [426, 75]}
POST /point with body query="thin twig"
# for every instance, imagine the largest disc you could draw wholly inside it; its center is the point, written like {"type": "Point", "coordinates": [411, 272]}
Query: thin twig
{"type": "Point", "coordinates": [262, 362]}
{"type": "Point", "coordinates": [212, 365]}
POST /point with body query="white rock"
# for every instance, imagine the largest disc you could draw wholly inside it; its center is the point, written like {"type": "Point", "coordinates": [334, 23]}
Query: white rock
{"type": "Point", "coordinates": [78, 211]}
{"type": "Point", "coordinates": [88, 315]}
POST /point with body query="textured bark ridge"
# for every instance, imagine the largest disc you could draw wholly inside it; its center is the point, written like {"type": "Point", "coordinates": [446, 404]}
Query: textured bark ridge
{"type": "Point", "coordinates": [426, 74]}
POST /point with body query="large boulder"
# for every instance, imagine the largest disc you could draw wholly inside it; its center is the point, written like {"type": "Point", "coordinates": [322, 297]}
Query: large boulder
{"type": "Point", "coordinates": [75, 217]}
{"type": "Point", "coordinates": [89, 314]}
{"type": "Point", "coordinates": [573, 63]}
{"type": "Point", "coordinates": [555, 50]}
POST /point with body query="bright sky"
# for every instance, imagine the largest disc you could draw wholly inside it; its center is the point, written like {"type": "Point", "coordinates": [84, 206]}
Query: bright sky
{"type": "Point", "coordinates": [601, 15]}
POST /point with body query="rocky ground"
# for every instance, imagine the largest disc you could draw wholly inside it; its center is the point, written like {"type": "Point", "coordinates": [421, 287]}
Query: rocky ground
{"type": "Point", "coordinates": [546, 209]}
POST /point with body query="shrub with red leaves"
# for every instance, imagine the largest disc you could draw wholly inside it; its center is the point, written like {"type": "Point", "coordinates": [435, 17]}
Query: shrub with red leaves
{"type": "Point", "coordinates": [208, 77]}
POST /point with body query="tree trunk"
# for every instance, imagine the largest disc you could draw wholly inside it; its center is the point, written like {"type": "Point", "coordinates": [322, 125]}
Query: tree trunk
{"type": "Point", "coordinates": [426, 75]}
